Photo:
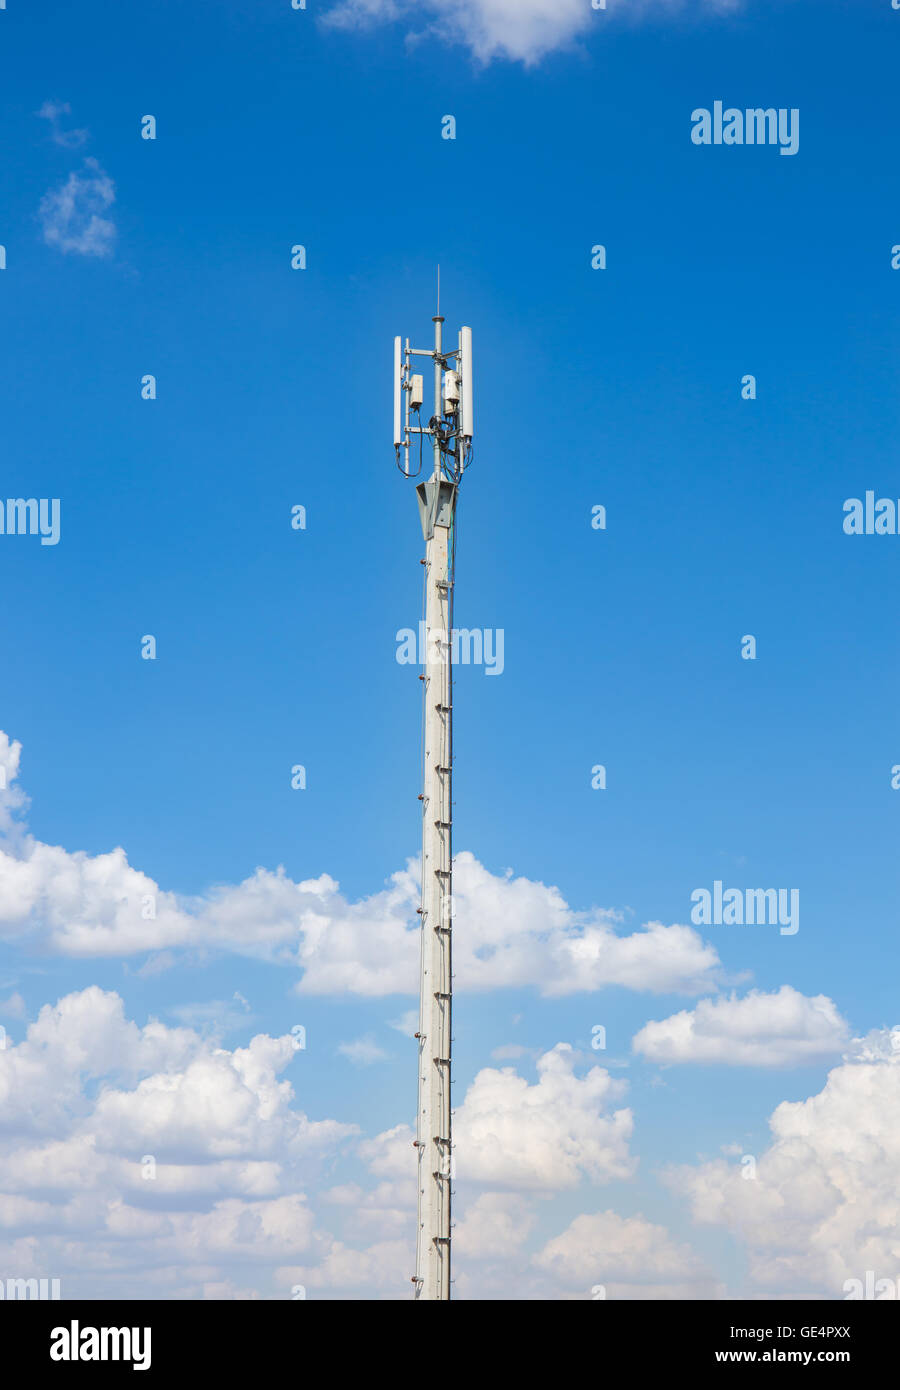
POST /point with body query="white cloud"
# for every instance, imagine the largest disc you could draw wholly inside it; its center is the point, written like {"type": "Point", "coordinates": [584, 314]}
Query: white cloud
{"type": "Point", "coordinates": [598, 1255]}
{"type": "Point", "coordinates": [89, 1099]}
{"type": "Point", "coordinates": [628, 1257]}
{"type": "Point", "coordinates": [384, 1210]}
{"type": "Point", "coordinates": [824, 1206]}
{"type": "Point", "coordinates": [361, 14]}
{"type": "Point", "coordinates": [89, 1095]}
{"type": "Point", "coordinates": [515, 931]}
{"type": "Point", "coordinates": [382, 1268]}
{"type": "Point", "coordinates": [495, 1223]}
{"type": "Point", "coordinates": [511, 932]}
{"type": "Point", "coordinates": [362, 1051]}
{"type": "Point", "coordinates": [214, 1016]}
{"type": "Point", "coordinates": [166, 1091]}
{"type": "Point", "coordinates": [13, 801]}
{"type": "Point", "coordinates": [543, 1137]}
{"type": "Point", "coordinates": [781, 1029]}
{"type": "Point", "coordinates": [13, 1007]}
{"type": "Point", "coordinates": [407, 1023]}
{"type": "Point", "coordinates": [516, 1144]}
{"type": "Point", "coordinates": [519, 30]}
{"type": "Point", "coordinates": [881, 1045]}
{"type": "Point", "coordinates": [548, 1136]}
{"type": "Point", "coordinates": [73, 215]}
{"type": "Point", "coordinates": [52, 111]}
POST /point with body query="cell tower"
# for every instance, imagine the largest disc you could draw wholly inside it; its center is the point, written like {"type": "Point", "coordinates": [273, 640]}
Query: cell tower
{"type": "Point", "coordinates": [450, 431]}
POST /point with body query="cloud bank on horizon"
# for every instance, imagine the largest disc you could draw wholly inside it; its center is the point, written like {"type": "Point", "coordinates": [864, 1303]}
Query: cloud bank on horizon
{"type": "Point", "coordinates": [151, 1159]}
{"type": "Point", "coordinates": [154, 1156]}
{"type": "Point", "coordinates": [515, 932]}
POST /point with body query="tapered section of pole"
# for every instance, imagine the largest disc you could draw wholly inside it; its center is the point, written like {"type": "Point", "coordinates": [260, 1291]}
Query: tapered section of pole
{"type": "Point", "coordinates": [433, 1138]}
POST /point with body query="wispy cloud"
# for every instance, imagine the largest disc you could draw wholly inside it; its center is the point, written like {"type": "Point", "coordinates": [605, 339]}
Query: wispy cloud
{"type": "Point", "coordinates": [215, 1017]}
{"type": "Point", "coordinates": [52, 111]}
{"type": "Point", "coordinates": [362, 1051]}
{"type": "Point", "coordinates": [13, 1007]}
{"type": "Point", "coordinates": [407, 1023]}
{"type": "Point", "coordinates": [518, 30]}
{"type": "Point", "coordinates": [72, 216]}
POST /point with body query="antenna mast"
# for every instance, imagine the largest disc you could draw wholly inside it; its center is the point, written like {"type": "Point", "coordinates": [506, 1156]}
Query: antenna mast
{"type": "Point", "coordinates": [450, 429]}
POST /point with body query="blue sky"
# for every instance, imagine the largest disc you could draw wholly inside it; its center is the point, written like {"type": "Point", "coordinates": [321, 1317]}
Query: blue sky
{"type": "Point", "coordinates": [619, 387]}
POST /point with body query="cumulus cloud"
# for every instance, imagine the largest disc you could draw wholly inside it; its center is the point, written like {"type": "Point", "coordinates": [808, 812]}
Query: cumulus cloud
{"type": "Point", "coordinates": [517, 1144]}
{"type": "Point", "coordinates": [548, 1136]}
{"type": "Point", "coordinates": [515, 931]}
{"type": "Point", "coordinates": [824, 1205]}
{"type": "Point", "coordinates": [127, 1151]}
{"type": "Point", "coordinates": [384, 1210]}
{"type": "Point", "coordinates": [598, 1255]}
{"type": "Point", "coordinates": [382, 1268]}
{"type": "Point", "coordinates": [508, 1134]}
{"type": "Point", "coordinates": [163, 1089]}
{"type": "Point", "coordinates": [518, 30]}
{"type": "Point", "coordinates": [148, 1159]}
{"type": "Point", "coordinates": [495, 1223]}
{"type": "Point", "coordinates": [781, 1029]}
{"type": "Point", "coordinates": [625, 1257]}
{"type": "Point", "coordinates": [512, 932]}
{"type": "Point", "coordinates": [880, 1045]}
{"type": "Point", "coordinates": [73, 216]}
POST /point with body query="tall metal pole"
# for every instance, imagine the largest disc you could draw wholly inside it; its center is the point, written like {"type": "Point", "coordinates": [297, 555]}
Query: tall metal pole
{"type": "Point", "coordinates": [451, 429]}
{"type": "Point", "coordinates": [433, 1137]}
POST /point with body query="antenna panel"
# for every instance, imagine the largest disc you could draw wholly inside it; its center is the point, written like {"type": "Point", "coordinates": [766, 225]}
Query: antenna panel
{"type": "Point", "coordinates": [467, 422]}
{"type": "Point", "coordinates": [398, 370]}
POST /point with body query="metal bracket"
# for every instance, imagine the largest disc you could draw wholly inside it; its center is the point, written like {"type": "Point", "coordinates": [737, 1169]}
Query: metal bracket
{"type": "Point", "coordinates": [437, 499]}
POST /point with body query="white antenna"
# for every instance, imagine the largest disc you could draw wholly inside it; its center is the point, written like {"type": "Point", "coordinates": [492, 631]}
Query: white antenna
{"type": "Point", "coordinates": [467, 426]}
{"type": "Point", "coordinates": [398, 393]}
{"type": "Point", "coordinates": [450, 431]}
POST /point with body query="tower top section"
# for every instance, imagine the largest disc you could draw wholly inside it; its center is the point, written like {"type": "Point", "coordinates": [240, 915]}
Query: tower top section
{"type": "Point", "coordinates": [451, 425]}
